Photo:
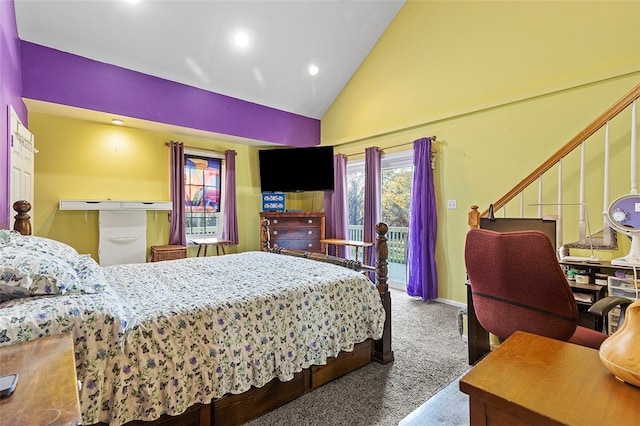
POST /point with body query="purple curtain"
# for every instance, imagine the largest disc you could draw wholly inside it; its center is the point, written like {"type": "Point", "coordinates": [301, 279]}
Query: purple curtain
{"type": "Point", "coordinates": [422, 275]}
{"type": "Point", "coordinates": [335, 206]}
{"type": "Point", "coordinates": [177, 230]}
{"type": "Point", "coordinates": [372, 199]}
{"type": "Point", "coordinates": [230, 215]}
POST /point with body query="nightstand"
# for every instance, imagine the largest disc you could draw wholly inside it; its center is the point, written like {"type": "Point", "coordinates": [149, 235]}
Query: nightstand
{"type": "Point", "coordinates": [47, 389]}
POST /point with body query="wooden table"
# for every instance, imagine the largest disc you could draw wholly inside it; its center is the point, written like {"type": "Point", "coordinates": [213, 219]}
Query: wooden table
{"type": "Point", "coordinates": [205, 242]}
{"type": "Point", "coordinates": [352, 243]}
{"type": "Point", "coordinates": [47, 389]}
{"type": "Point", "coordinates": [534, 380]}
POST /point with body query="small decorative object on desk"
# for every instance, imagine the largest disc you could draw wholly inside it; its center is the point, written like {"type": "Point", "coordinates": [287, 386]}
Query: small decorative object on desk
{"type": "Point", "coordinates": [620, 353]}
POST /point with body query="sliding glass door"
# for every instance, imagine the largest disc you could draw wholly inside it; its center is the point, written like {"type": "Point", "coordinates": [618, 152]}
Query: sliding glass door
{"type": "Point", "coordinates": [397, 171]}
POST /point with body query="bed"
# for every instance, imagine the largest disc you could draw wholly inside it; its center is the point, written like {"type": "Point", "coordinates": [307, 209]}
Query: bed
{"type": "Point", "coordinates": [214, 340]}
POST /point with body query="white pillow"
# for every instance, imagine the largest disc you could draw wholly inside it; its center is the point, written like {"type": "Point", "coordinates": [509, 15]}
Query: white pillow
{"type": "Point", "coordinates": [25, 272]}
{"type": "Point", "coordinates": [8, 237]}
{"type": "Point", "coordinates": [47, 246]}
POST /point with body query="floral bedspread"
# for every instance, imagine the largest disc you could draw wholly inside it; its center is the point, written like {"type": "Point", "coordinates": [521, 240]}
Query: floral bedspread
{"type": "Point", "coordinates": [166, 335]}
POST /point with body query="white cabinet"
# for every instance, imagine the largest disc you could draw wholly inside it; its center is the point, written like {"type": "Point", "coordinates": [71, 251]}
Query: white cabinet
{"type": "Point", "coordinates": [123, 237]}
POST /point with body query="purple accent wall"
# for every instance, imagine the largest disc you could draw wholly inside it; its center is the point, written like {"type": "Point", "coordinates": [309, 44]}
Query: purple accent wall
{"type": "Point", "coordinates": [55, 76]}
{"type": "Point", "coordinates": [10, 90]}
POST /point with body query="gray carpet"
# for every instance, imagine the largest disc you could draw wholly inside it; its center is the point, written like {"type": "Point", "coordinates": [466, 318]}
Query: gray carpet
{"type": "Point", "coordinates": [429, 355]}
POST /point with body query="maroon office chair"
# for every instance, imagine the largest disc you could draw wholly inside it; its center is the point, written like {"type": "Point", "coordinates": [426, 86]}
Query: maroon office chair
{"type": "Point", "coordinates": [518, 284]}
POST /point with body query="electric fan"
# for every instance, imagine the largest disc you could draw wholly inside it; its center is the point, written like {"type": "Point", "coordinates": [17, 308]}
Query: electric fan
{"type": "Point", "coordinates": [623, 215]}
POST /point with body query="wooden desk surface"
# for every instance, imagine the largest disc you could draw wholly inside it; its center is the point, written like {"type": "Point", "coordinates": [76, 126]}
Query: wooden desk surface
{"type": "Point", "coordinates": [47, 389]}
{"type": "Point", "coordinates": [346, 242]}
{"type": "Point", "coordinates": [542, 381]}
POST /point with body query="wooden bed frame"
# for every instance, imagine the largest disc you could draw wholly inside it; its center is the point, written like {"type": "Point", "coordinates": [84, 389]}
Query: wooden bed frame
{"type": "Point", "coordinates": [242, 408]}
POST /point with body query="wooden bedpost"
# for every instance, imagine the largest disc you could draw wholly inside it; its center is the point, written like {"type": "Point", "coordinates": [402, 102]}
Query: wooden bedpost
{"type": "Point", "coordinates": [265, 239]}
{"type": "Point", "coordinates": [382, 351]}
{"type": "Point", "coordinates": [22, 223]}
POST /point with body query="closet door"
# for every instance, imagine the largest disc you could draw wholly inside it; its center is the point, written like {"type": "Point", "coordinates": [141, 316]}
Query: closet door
{"type": "Point", "coordinates": [123, 237]}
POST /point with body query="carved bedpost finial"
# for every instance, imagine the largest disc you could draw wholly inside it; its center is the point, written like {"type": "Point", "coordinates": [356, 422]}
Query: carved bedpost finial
{"type": "Point", "coordinates": [22, 223]}
{"type": "Point", "coordinates": [382, 252]}
{"type": "Point", "coordinates": [474, 217]}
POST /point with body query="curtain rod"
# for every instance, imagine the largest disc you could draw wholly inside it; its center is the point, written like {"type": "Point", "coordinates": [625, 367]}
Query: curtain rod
{"type": "Point", "coordinates": [433, 139]}
{"type": "Point", "coordinates": [217, 151]}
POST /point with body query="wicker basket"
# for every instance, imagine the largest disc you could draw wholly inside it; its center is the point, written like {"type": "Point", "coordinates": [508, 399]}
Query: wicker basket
{"type": "Point", "coordinates": [169, 252]}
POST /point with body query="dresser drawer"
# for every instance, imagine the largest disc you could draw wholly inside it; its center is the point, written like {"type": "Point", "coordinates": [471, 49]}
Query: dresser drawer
{"type": "Point", "coordinates": [278, 222]}
{"type": "Point", "coordinates": [295, 233]}
{"type": "Point", "coordinates": [304, 245]}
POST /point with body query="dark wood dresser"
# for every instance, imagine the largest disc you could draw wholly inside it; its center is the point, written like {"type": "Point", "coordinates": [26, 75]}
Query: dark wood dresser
{"type": "Point", "coordinates": [295, 231]}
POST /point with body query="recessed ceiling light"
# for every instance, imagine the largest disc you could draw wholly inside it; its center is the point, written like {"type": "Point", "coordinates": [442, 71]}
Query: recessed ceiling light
{"type": "Point", "coordinates": [117, 122]}
{"type": "Point", "coordinates": [313, 69]}
{"type": "Point", "coordinates": [241, 39]}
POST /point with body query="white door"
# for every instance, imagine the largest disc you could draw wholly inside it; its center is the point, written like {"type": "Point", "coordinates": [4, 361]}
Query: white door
{"type": "Point", "coordinates": [21, 164]}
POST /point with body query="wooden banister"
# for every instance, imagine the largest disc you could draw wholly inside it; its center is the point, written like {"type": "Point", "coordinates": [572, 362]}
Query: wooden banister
{"type": "Point", "coordinates": [593, 127]}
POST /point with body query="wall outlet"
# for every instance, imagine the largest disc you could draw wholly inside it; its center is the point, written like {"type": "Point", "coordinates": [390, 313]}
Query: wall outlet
{"type": "Point", "coordinates": [452, 204]}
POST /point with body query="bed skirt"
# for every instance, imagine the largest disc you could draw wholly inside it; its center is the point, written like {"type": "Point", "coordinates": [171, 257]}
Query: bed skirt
{"type": "Point", "coordinates": [239, 409]}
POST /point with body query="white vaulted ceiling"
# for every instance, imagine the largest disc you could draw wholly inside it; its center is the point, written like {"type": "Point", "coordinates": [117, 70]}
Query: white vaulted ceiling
{"type": "Point", "coordinates": [191, 42]}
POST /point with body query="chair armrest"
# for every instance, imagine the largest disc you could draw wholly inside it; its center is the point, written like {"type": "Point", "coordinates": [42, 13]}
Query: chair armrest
{"type": "Point", "coordinates": [606, 304]}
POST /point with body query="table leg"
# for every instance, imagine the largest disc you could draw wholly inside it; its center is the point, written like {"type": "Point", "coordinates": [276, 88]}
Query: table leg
{"type": "Point", "coordinates": [199, 248]}
{"type": "Point", "coordinates": [205, 249]}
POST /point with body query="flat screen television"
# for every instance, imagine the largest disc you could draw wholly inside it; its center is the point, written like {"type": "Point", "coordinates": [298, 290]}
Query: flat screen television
{"type": "Point", "coordinates": [296, 169]}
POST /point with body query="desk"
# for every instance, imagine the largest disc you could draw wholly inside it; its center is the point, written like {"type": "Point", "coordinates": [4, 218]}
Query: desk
{"type": "Point", "coordinates": [534, 380]}
{"type": "Point", "coordinates": [205, 242]}
{"type": "Point", "coordinates": [47, 389]}
{"type": "Point", "coordinates": [356, 244]}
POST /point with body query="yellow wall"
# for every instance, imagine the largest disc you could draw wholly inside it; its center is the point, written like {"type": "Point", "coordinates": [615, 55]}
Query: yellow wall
{"type": "Point", "coordinates": [503, 85]}
{"type": "Point", "coordinates": [87, 160]}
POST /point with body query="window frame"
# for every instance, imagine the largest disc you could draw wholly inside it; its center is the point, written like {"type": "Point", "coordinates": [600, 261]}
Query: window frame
{"type": "Point", "coordinates": [220, 214]}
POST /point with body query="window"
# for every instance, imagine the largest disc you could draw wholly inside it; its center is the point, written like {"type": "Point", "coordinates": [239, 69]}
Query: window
{"type": "Point", "coordinates": [203, 179]}
{"type": "Point", "coordinates": [397, 175]}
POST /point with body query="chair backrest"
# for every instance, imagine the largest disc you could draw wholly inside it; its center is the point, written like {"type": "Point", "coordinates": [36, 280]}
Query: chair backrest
{"type": "Point", "coordinates": [518, 284]}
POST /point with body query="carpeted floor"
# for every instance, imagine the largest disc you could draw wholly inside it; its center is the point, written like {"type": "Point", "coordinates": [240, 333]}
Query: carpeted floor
{"type": "Point", "coordinates": [429, 354]}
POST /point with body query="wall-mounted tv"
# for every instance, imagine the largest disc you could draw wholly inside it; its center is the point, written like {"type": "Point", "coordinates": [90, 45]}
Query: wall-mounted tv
{"type": "Point", "coordinates": [296, 169]}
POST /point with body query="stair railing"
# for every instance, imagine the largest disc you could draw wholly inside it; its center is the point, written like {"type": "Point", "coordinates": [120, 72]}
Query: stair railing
{"type": "Point", "coordinates": [578, 140]}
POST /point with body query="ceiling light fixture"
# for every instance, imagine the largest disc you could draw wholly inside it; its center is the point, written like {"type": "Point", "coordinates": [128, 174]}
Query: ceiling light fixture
{"type": "Point", "coordinates": [313, 69]}
{"type": "Point", "coordinates": [117, 122]}
{"type": "Point", "coordinates": [241, 39]}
